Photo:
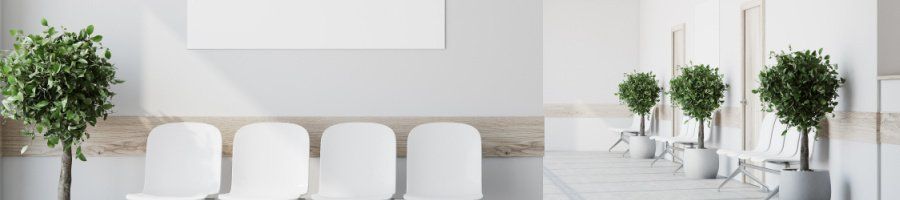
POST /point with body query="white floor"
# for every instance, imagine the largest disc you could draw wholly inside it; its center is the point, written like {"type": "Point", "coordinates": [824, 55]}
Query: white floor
{"type": "Point", "coordinates": [604, 175]}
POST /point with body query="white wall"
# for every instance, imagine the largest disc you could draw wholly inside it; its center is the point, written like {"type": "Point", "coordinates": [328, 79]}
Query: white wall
{"type": "Point", "coordinates": [491, 67]}
{"type": "Point", "coordinates": [847, 32]}
{"type": "Point", "coordinates": [588, 46]}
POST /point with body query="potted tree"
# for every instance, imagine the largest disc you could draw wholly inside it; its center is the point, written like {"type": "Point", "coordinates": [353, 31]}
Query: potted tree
{"type": "Point", "coordinates": [801, 89]}
{"type": "Point", "coordinates": [640, 92]}
{"type": "Point", "coordinates": [57, 84]}
{"type": "Point", "coordinates": [699, 91]}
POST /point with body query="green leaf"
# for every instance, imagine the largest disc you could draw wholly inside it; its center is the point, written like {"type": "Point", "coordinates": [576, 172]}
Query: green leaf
{"type": "Point", "coordinates": [41, 104]}
{"type": "Point", "coordinates": [97, 38]}
{"type": "Point", "coordinates": [89, 30]}
{"type": "Point", "coordinates": [44, 22]}
{"type": "Point", "coordinates": [107, 54]}
{"type": "Point", "coordinates": [79, 154]}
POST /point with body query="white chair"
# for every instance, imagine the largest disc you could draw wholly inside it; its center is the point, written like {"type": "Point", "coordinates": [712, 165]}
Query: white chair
{"type": "Point", "coordinates": [358, 161]}
{"type": "Point", "coordinates": [690, 141]}
{"type": "Point", "coordinates": [633, 130]}
{"type": "Point", "coordinates": [183, 161]}
{"type": "Point", "coordinates": [688, 133]}
{"type": "Point", "coordinates": [270, 161]}
{"type": "Point", "coordinates": [443, 162]}
{"type": "Point", "coordinates": [788, 156]}
{"type": "Point", "coordinates": [765, 144]}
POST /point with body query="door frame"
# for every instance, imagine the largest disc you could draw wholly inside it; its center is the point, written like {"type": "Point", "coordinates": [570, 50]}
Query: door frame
{"type": "Point", "coordinates": [676, 129]}
{"type": "Point", "coordinates": [744, 88]}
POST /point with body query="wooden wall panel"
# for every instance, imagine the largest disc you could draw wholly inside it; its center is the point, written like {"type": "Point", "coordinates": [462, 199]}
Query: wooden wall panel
{"type": "Point", "coordinates": [853, 126]}
{"type": "Point", "coordinates": [726, 116]}
{"type": "Point", "coordinates": [126, 136]}
{"type": "Point", "coordinates": [890, 128]}
{"type": "Point", "coordinates": [586, 110]}
{"type": "Point", "coordinates": [731, 117]}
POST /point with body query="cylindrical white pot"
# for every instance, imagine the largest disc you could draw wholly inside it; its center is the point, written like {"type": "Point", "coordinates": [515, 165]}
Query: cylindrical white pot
{"type": "Point", "coordinates": [803, 185]}
{"type": "Point", "coordinates": [641, 147]}
{"type": "Point", "coordinates": [701, 163]}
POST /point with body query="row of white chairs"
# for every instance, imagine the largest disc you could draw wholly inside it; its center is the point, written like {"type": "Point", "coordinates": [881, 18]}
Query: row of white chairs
{"type": "Point", "coordinates": [772, 147]}
{"type": "Point", "coordinates": [271, 161]}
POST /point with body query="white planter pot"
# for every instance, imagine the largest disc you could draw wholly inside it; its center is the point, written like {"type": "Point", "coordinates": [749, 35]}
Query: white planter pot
{"type": "Point", "coordinates": [641, 147]}
{"type": "Point", "coordinates": [804, 185]}
{"type": "Point", "coordinates": [701, 163]}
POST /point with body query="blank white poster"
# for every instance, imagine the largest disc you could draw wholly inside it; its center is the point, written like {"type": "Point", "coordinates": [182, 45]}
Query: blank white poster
{"type": "Point", "coordinates": [315, 24]}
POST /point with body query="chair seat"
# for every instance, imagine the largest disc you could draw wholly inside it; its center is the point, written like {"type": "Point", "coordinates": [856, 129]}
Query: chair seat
{"type": "Point", "coordinates": [749, 155]}
{"type": "Point", "coordinates": [681, 140]}
{"type": "Point", "coordinates": [142, 196]}
{"type": "Point", "coordinates": [624, 130]}
{"type": "Point", "coordinates": [732, 153]}
{"type": "Point", "coordinates": [766, 158]}
{"type": "Point", "coordinates": [662, 138]}
{"type": "Point", "coordinates": [231, 196]}
{"type": "Point", "coordinates": [374, 197]}
{"type": "Point", "coordinates": [724, 152]}
{"type": "Point", "coordinates": [460, 197]}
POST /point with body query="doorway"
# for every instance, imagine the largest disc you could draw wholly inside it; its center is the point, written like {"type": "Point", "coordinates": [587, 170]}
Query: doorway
{"type": "Point", "coordinates": [678, 61]}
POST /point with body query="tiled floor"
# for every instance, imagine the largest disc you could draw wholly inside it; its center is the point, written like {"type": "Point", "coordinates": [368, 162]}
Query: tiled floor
{"type": "Point", "coordinates": [604, 175]}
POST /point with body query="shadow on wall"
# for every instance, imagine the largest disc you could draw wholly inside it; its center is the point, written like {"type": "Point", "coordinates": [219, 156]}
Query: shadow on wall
{"type": "Point", "coordinates": [265, 79]}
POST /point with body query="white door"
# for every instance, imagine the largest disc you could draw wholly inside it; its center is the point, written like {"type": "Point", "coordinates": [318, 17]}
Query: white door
{"type": "Point", "coordinates": [678, 61]}
{"type": "Point", "coordinates": [754, 60]}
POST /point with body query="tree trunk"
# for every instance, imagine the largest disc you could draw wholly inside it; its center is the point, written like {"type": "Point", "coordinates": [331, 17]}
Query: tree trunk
{"type": "Point", "coordinates": [804, 150]}
{"type": "Point", "coordinates": [700, 137]}
{"type": "Point", "coordinates": [65, 175]}
{"type": "Point", "coordinates": [642, 126]}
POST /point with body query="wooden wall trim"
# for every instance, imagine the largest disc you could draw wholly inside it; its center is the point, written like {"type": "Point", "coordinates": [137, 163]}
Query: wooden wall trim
{"type": "Point", "coordinates": [725, 116]}
{"type": "Point", "coordinates": [731, 117]}
{"type": "Point", "coordinates": [586, 110]}
{"type": "Point", "coordinates": [127, 135]}
{"type": "Point", "coordinates": [889, 128]}
{"type": "Point", "coordinates": [852, 126]}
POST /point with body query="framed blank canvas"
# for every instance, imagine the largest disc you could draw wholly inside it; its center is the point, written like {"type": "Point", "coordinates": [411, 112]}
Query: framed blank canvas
{"type": "Point", "coordinates": [315, 24]}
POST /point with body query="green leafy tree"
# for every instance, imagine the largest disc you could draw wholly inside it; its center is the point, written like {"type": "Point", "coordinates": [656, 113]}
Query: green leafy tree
{"type": "Point", "coordinates": [801, 88]}
{"type": "Point", "coordinates": [57, 84]}
{"type": "Point", "coordinates": [640, 92]}
{"type": "Point", "coordinates": [699, 91]}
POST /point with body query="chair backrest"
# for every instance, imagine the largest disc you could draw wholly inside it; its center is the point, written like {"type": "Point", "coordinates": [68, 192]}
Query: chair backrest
{"type": "Point", "coordinates": [766, 129]}
{"type": "Point", "coordinates": [778, 138]}
{"type": "Point", "coordinates": [183, 159]}
{"type": "Point", "coordinates": [791, 143]}
{"type": "Point", "coordinates": [636, 120]}
{"type": "Point", "coordinates": [270, 160]}
{"type": "Point", "coordinates": [687, 128]}
{"type": "Point", "coordinates": [358, 160]}
{"type": "Point", "coordinates": [444, 160]}
{"type": "Point", "coordinates": [707, 129]}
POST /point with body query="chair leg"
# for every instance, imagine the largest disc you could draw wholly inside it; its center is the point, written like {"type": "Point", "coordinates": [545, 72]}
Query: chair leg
{"type": "Point", "coordinates": [754, 179]}
{"type": "Point", "coordinates": [614, 145]}
{"type": "Point", "coordinates": [733, 174]}
{"type": "Point", "coordinates": [661, 154]}
{"type": "Point", "coordinates": [626, 152]}
{"type": "Point", "coordinates": [679, 168]}
{"type": "Point", "coordinates": [774, 192]}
